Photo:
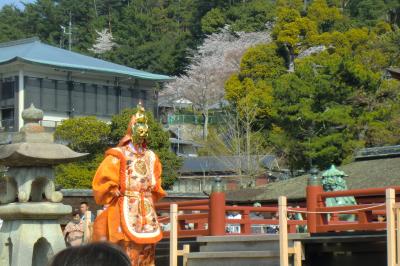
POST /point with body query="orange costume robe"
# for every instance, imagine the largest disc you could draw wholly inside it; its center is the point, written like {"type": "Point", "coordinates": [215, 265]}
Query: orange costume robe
{"type": "Point", "coordinates": [130, 220]}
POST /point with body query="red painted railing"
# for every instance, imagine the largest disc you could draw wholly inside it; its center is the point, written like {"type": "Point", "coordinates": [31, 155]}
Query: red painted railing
{"type": "Point", "coordinates": [194, 218]}
{"type": "Point", "coordinates": [209, 217]}
{"type": "Point", "coordinates": [370, 205]}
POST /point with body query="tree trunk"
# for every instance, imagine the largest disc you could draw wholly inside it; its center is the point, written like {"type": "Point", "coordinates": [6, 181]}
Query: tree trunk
{"type": "Point", "coordinates": [95, 8]}
{"type": "Point", "coordinates": [248, 143]}
{"type": "Point", "coordinates": [291, 59]}
{"type": "Point", "coordinates": [238, 143]}
{"type": "Point", "coordinates": [109, 19]}
{"type": "Point", "coordinates": [205, 124]}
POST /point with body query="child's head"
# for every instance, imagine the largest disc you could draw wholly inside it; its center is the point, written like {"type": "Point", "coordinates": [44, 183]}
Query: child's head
{"type": "Point", "coordinates": [76, 216]}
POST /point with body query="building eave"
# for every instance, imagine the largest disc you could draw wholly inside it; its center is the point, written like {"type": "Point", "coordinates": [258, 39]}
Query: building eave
{"type": "Point", "coordinates": [71, 67]}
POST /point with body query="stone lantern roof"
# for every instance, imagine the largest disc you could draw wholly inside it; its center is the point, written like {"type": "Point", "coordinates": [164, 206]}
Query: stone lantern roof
{"type": "Point", "coordinates": [32, 146]}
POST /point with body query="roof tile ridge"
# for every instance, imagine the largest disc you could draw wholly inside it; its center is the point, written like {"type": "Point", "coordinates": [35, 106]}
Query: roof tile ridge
{"type": "Point", "coordinates": [18, 42]}
{"type": "Point", "coordinates": [103, 61]}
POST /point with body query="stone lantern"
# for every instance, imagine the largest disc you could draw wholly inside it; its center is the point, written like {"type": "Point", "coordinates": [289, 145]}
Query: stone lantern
{"type": "Point", "coordinates": [29, 204]}
{"type": "Point", "coordinates": [333, 180]}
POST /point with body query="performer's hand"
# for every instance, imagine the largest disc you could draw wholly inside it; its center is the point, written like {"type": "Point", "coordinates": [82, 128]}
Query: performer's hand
{"type": "Point", "coordinates": [115, 192]}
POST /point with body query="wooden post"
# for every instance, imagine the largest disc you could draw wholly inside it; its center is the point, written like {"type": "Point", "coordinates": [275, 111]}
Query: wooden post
{"type": "Point", "coordinates": [87, 232]}
{"type": "Point", "coordinates": [246, 227]}
{"type": "Point", "coordinates": [186, 251]}
{"type": "Point", "coordinates": [314, 188]}
{"type": "Point", "coordinates": [216, 217]}
{"type": "Point", "coordinates": [390, 227]}
{"type": "Point", "coordinates": [297, 253]}
{"type": "Point", "coordinates": [283, 234]}
{"type": "Point", "coordinates": [173, 237]}
{"type": "Point", "coordinates": [398, 234]}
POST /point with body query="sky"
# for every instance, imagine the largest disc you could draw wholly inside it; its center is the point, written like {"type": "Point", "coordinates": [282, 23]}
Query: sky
{"type": "Point", "coordinates": [17, 3]}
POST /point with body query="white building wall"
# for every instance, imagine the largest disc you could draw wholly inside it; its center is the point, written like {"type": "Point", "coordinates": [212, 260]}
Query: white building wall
{"type": "Point", "coordinates": [21, 70]}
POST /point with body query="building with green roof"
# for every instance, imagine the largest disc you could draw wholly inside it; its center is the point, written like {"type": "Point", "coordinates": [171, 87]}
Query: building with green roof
{"type": "Point", "coordinates": [65, 84]}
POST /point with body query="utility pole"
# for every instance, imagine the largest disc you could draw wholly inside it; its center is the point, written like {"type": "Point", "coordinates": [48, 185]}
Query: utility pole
{"type": "Point", "coordinates": [70, 31]}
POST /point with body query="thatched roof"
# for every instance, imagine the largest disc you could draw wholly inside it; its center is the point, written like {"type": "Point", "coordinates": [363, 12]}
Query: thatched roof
{"type": "Point", "coordinates": [362, 174]}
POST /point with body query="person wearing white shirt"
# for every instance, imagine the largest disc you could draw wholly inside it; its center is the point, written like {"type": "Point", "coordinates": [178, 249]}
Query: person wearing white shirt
{"type": "Point", "coordinates": [234, 228]}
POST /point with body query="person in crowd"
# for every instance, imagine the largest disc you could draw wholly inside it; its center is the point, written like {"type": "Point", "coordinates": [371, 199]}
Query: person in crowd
{"type": "Point", "coordinates": [298, 216]}
{"type": "Point", "coordinates": [84, 207]}
{"type": "Point", "coordinates": [96, 254]}
{"type": "Point", "coordinates": [256, 215]}
{"type": "Point", "coordinates": [73, 231]}
{"type": "Point", "coordinates": [233, 228]}
{"type": "Point", "coordinates": [256, 228]}
{"type": "Point", "coordinates": [273, 228]}
{"type": "Point", "coordinates": [165, 226]}
{"type": "Point", "coordinates": [381, 218]}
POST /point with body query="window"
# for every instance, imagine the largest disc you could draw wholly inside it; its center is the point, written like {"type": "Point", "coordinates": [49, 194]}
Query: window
{"type": "Point", "coordinates": [101, 100]}
{"type": "Point", "coordinates": [126, 99]}
{"type": "Point", "coordinates": [7, 90]}
{"type": "Point", "coordinates": [78, 99]}
{"type": "Point", "coordinates": [90, 99]}
{"type": "Point", "coordinates": [143, 99]}
{"type": "Point", "coordinates": [136, 97]}
{"type": "Point", "coordinates": [49, 95]}
{"type": "Point", "coordinates": [32, 92]}
{"type": "Point", "coordinates": [62, 98]}
{"type": "Point", "coordinates": [112, 100]}
{"type": "Point", "coordinates": [143, 95]}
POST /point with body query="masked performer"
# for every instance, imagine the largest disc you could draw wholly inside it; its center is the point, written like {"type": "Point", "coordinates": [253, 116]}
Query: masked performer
{"type": "Point", "coordinates": [129, 182]}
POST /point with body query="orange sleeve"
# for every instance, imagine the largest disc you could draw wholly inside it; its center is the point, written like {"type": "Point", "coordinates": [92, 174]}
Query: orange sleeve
{"type": "Point", "coordinates": [106, 179]}
{"type": "Point", "coordinates": [158, 191]}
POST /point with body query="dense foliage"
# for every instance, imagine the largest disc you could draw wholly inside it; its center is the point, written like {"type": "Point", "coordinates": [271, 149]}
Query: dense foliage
{"type": "Point", "coordinates": [158, 35]}
{"type": "Point", "coordinates": [151, 35]}
{"type": "Point", "coordinates": [330, 95]}
{"type": "Point", "coordinates": [318, 91]}
{"type": "Point", "coordinates": [89, 135]}
{"type": "Point", "coordinates": [84, 134]}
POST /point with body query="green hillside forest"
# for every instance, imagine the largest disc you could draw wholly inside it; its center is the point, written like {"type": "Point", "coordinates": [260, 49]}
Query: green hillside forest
{"type": "Point", "coordinates": [317, 91]}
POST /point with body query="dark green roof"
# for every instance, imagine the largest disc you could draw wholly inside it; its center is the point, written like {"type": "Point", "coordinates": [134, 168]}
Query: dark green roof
{"type": "Point", "coordinates": [362, 174]}
{"type": "Point", "coordinates": [35, 52]}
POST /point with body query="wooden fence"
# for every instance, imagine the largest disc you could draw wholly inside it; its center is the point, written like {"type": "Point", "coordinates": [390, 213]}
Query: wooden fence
{"type": "Point", "coordinates": [209, 217]}
{"type": "Point", "coordinates": [369, 212]}
{"type": "Point", "coordinates": [392, 225]}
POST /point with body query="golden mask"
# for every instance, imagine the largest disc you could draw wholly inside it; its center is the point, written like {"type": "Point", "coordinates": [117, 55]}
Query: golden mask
{"type": "Point", "coordinates": [140, 130]}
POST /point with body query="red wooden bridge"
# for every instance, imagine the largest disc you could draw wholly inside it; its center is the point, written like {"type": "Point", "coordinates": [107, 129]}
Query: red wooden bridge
{"type": "Point", "coordinates": [209, 217]}
{"type": "Point", "coordinates": [376, 211]}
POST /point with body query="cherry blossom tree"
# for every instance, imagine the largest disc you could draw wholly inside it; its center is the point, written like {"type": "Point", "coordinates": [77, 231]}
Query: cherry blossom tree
{"type": "Point", "coordinates": [104, 42]}
{"type": "Point", "coordinates": [211, 65]}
